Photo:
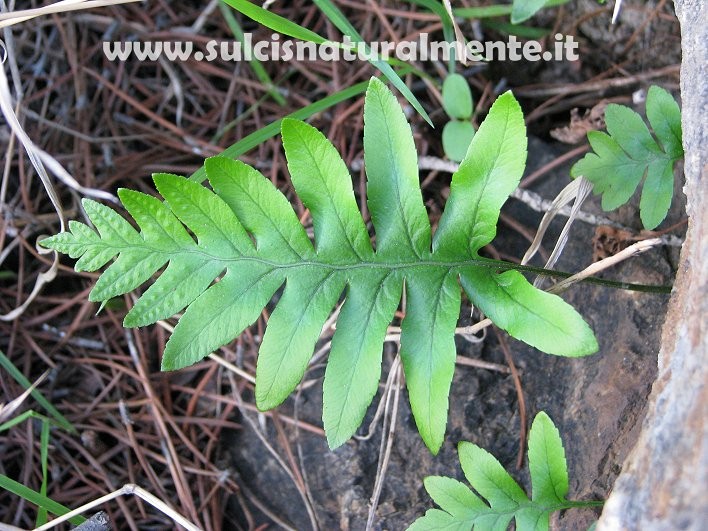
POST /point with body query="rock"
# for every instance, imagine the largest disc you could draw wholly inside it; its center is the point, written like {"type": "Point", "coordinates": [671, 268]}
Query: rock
{"type": "Point", "coordinates": [98, 522]}
{"type": "Point", "coordinates": [664, 482]}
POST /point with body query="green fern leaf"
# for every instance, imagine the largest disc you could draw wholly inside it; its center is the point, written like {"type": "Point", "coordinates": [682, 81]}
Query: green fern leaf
{"type": "Point", "coordinates": [629, 154]}
{"type": "Point", "coordinates": [504, 500]}
{"type": "Point", "coordinates": [226, 252]}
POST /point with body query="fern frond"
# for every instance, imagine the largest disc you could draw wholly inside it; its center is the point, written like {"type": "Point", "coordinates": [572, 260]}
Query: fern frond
{"type": "Point", "coordinates": [629, 154]}
{"type": "Point", "coordinates": [502, 499]}
{"type": "Point", "coordinates": [249, 243]}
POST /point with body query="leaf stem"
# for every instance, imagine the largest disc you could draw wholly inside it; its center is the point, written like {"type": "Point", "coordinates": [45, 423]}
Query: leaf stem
{"type": "Point", "coordinates": [506, 266]}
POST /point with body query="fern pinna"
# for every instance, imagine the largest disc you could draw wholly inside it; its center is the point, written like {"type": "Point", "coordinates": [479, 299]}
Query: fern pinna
{"type": "Point", "coordinates": [224, 280]}
{"type": "Point", "coordinates": [502, 499]}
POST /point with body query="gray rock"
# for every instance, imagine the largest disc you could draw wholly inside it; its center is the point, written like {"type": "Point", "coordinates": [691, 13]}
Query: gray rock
{"type": "Point", "coordinates": [664, 482]}
{"type": "Point", "coordinates": [98, 522]}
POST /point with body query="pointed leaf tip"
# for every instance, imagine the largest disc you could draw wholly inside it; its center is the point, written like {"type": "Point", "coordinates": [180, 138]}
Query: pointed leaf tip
{"type": "Point", "coordinates": [547, 463]}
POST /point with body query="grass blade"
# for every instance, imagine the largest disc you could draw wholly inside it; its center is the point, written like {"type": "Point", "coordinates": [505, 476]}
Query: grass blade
{"type": "Point", "coordinates": [275, 22]}
{"type": "Point", "coordinates": [37, 499]}
{"type": "Point", "coordinates": [337, 18]}
{"type": "Point", "coordinates": [269, 131]}
{"type": "Point", "coordinates": [494, 10]}
{"type": "Point", "coordinates": [255, 64]}
{"type": "Point", "coordinates": [518, 30]}
{"type": "Point", "coordinates": [439, 10]}
{"type": "Point", "coordinates": [44, 456]}
{"type": "Point", "coordinates": [39, 397]}
{"type": "Point", "coordinates": [291, 29]}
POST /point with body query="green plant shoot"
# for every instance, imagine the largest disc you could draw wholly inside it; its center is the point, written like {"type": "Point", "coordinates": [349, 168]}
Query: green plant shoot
{"type": "Point", "coordinates": [459, 131]}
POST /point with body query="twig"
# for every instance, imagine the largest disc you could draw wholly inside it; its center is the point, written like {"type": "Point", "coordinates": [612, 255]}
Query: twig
{"type": "Point", "coordinates": [278, 458]}
{"type": "Point", "coordinates": [595, 268]}
{"type": "Point", "coordinates": [594, 86]}
{"type": "Point", "coordinates": [126, 490]}
{"type": "Point", "coordinates": [15, 17]}
{"type": "Point", "coordinates": [386, 440]}
{"type": "Point", "coordinates": [32, 152]}
{"type": "Point", "coordinates": [519, 393]}
{"type": "Point", "coordinates": [471, 362]}
{"type": "Point", "coordinates": [215, 357]}
{"type": "Point", "coordinates": [472, 330]}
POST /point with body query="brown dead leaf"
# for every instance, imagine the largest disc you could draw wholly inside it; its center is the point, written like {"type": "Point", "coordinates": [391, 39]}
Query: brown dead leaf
{"type": "Point", "coordinates": [576, 132]}
{"type": "Point", "coordinates": [609, 241]}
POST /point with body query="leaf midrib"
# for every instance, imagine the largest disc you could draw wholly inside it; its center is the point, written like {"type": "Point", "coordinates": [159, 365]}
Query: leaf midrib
{"type": "Point", "coordinates": [320, 286]}
{"type": "Point", "coordinates": [325, 184]}
{"type": "Point", "coordinates": [215, 315]}
{"type": "Point", "coordinates": [487, 180]}
{"type": "Point", "coordinates": [433, 329]}
{"type": "Point", "coordinates": [271, 220]}
{"type": "Point", "coordinates": [522, 302]}
{"type": "Point", "coordinates": [363, 264]}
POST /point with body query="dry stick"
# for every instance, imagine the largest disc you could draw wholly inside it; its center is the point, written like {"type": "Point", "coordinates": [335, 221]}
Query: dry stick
{"type": "Point", "coordinates": [148, 469]}
{"type": "Point", "coordinates": [215, 357]}
{"type": "Point", "coordinates": [589, 271]}
{"type": "Point", "coordinates": [263, 508]}
{"type": "Point", "coordinates": [594, 269]}
{"type": "Point", "coordinates": [562, 159]}
{"type": "Point", "coordinates": [6, 230]}
{"type": "Point", "coordinates": [126, 490]}
{"type": "Point", "coordinates": [298, 444]}
{"type": "Point", "coordinates": [299, 479]}
{"type": "Point", "coordinates": [169, 451]}
{"type": "Point", "coordinates": [254, 426]}
{"type": "Point", "coordinates": [34, 156]}
{"type": "Point", "coordinates": [519, 393]}
{"type": "Point", "coordinates": [380, 409]}
{"type": "Point", "coordinates": [386, 440]}
{"type": "Point", "coordinates": [231, 367]}
{"type": "Point", "coordinates": [15, 17]}
{"type": "Point", "coordinates": [594, 86]}
{"type": "Point", "coordinates": [471, 362]}
{"type": "Point", "coordinates": [394, 335]}
{"type": "Point", "coordinates": [41, 161]}
{"type": "Point", "coordinates": [642, 27]}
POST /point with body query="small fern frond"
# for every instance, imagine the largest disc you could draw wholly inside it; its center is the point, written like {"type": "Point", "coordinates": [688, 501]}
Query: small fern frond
{"type": "Point", "coordinates": [629, 154]}
{"type": "Point", "coordinates": [502, 499]}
